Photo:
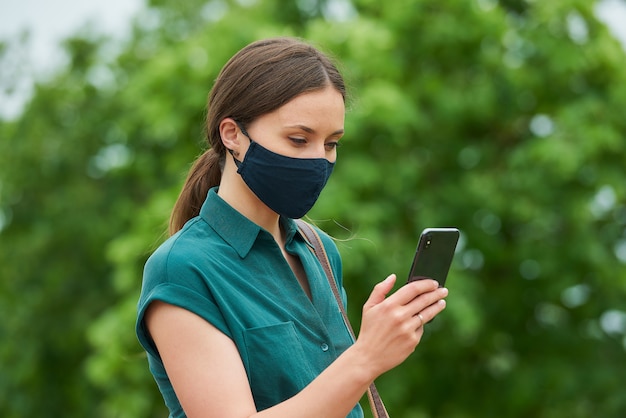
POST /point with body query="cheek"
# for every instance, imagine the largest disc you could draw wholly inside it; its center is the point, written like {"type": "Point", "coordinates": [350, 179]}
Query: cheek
{"type": "Point", "coordinates": [332, 155]}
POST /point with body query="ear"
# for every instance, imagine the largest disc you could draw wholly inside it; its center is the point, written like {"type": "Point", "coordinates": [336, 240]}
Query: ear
{"type": "Point", "coordinates": [229, 134]}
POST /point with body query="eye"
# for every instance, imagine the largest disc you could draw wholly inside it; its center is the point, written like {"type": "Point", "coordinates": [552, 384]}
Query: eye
{"type": "Point", "coordinates": [332, 145]}
{"type": "Point", "coordinates": [297, 141]}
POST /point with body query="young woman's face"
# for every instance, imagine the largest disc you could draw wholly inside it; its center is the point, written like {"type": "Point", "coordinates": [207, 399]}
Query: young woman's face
{"type": "Point", "coordinates": [309, 126]}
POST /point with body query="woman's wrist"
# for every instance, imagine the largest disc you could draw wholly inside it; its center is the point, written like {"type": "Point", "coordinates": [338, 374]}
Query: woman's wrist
{"type": "Point", "coordinates": [362, 362]}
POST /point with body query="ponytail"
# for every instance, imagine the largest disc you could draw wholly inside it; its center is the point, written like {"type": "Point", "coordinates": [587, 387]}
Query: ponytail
{"type": "Point", "coordinates": [205, 173]}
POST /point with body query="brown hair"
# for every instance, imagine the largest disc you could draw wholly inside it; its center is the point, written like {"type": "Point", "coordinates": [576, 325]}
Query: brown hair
{"type": "Point", "coordinates": [257, 80]}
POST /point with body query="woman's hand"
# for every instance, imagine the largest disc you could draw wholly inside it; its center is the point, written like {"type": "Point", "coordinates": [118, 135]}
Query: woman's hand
{"type": "Point", "coordinates": [392, 326]}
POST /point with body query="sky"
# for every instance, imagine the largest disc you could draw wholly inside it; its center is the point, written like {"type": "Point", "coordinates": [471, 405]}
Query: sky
{"type": "Point", "coordinates": [50, 21]}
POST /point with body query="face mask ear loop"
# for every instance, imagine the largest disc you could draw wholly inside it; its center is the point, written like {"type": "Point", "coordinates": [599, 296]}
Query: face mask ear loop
{"type": "Point", "coordinates": [243, 130]}
{"type": "Point", "coordinates": [245, 133]}
{"type": "Point", "coordinates": [232, 153]}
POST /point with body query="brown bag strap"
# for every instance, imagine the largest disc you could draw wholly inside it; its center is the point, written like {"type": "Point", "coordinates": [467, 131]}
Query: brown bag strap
{"type": "Point", "coordinates": [376, 403]}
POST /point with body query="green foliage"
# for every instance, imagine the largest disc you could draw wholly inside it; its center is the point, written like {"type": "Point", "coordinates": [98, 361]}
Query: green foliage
{"type": "Point", "coordinates": [501, 118]}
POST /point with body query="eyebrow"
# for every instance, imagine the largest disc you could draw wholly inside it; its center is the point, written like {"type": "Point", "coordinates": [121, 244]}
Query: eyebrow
{"type": "Point", "coordinates": [312, 131]}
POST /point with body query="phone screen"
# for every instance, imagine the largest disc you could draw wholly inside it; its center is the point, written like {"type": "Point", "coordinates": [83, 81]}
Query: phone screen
{"type": "Point", "coordinates": [434, 254]}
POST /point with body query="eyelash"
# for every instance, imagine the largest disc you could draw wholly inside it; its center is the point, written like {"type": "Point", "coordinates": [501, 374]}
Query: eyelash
{"type": "Point", "coordinates": [297, 141]}
{"type": "Point", "coordinates": [302, 141]}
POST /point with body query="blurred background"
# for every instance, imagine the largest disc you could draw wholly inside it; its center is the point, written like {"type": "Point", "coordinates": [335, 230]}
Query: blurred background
{"type": "Point", "coordinates": [503, 118]}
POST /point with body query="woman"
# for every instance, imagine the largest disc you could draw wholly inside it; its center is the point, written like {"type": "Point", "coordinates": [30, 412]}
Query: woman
{"type": "Point", "coordinates": [236, 314]}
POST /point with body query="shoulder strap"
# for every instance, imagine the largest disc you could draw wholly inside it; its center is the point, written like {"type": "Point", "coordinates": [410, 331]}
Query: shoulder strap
{"type": "Point", "coordinates": [376, 403]}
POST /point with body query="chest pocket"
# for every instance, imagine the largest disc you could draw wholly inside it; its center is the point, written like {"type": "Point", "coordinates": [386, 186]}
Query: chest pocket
{"type": "Point", "coordinates": [277, 365]}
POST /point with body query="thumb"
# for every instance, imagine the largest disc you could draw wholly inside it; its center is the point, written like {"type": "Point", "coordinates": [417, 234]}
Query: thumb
{"type": "Point", "coordinates": [380, 292]}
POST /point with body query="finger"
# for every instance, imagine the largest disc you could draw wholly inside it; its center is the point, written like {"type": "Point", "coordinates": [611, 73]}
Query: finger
{"type": "Point", "coordinates": [380, 291]}
{"type": "Point", "coordinates": [432, 311]}
{"type": "Point", "coordinates": [426, 299]}
{"type": "Point", "coordinates": [412, 290]}
{"type": "Point", "coordinates": [422, 320]}
{"type": "Point", "coordinates": [419, 333]}
{"type": "Point", "coordinates": [419, 328]}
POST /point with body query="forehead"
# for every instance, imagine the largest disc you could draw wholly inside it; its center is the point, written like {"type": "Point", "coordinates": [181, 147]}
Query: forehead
{"type": "Point", "coordinates": [318, 109]}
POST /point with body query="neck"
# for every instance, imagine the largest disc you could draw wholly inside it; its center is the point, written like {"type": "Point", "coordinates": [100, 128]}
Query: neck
{"type": "Point", "coordinates": [236, 193]}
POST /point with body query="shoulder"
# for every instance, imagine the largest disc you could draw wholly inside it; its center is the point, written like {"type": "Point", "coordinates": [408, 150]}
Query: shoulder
{"type": "Point", "coordinates": [169, 255]}
{"type": "Point", "coordinates": [328, 242]}
{"type": "Point", "coordinates": [186, 258]}
{"type": "Point", "coordinates": [179, 272]}
{"type": "Point", "coordinates": [332, 252]}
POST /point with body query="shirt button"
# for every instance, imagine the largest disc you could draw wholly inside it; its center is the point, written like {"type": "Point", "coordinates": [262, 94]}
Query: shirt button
{"type": "Point", "coordinates": [324, 347]}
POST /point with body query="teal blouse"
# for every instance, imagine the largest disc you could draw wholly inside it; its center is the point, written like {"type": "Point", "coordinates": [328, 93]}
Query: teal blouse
{"type": "Point", "coordinates": [229, 271]}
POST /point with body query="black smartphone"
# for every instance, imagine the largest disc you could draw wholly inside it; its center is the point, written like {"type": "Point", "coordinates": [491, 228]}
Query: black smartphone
{"type": "Point", "coordinates": [434, 254]}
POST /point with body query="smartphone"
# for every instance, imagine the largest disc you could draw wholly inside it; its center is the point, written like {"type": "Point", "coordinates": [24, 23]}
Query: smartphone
{"type": "Point", "coordinates": [434, 254]}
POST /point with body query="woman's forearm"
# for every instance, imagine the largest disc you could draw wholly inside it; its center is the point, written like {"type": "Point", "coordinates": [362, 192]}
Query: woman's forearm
{"type": "Point", "coordinates": [334, 393]}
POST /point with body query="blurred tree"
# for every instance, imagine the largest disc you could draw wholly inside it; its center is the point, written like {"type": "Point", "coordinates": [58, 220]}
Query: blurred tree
{"type": "Point", "coordinates": [502, 118]}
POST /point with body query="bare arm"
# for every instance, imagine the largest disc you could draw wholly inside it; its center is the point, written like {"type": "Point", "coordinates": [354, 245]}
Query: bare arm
{"type": "Point", "coordinates": [209, 378]}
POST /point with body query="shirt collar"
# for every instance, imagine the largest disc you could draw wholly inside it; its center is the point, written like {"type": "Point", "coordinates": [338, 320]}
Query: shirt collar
{"type": "Point", "coordinates": [234, 228]}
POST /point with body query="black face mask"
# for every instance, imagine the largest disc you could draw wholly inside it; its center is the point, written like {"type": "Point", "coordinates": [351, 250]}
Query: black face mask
{"type": "Point", "coordinates": [289, 186]}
